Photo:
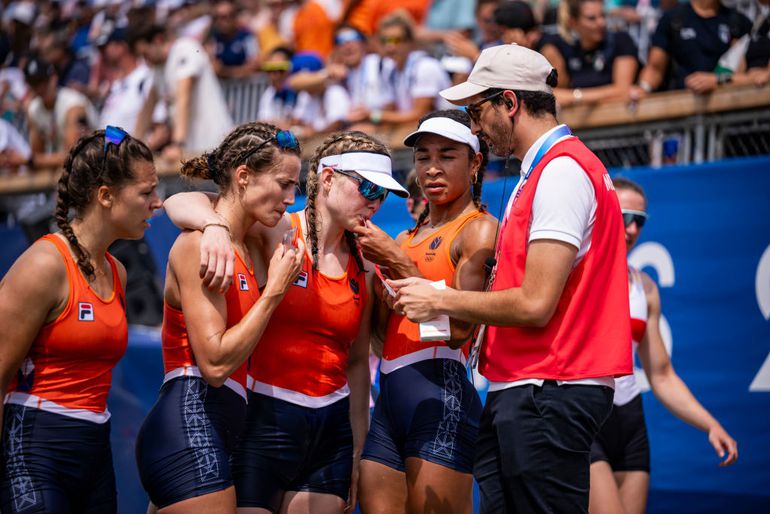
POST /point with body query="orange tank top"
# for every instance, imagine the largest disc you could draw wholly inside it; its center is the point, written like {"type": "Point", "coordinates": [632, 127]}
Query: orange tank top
{"type": "Point", "coordinates": [68, 369]}
{"type": "Point", "coordinates": [433, 258]}
{"type": "Point", "coordinates": [302, 357]}
{"type": "Point", "coordinates": [178, 357]}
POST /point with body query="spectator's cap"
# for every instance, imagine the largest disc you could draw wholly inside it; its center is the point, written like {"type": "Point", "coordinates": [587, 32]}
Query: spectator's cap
{"type": "Point", "coordinates": [348, 34]}
{"type": "Point", "coordinates": [306, 61]}
{"type": "Point", "coordinates": [374, 167]}
{"type": "Point", "coordinates": [37, 71]}
{"type": "Point", "coordinates": [515, 14]}
{"type": "Point", "coordinates": [456, 64]}
{"type": "Point", "coordinates": [445, 127]}
{"type": "Point", "coordinates": [110, 32]}
{"type": "Point", "coordinates": [23, 12]}
{"type": "Point", "coordinates": [504, 67]}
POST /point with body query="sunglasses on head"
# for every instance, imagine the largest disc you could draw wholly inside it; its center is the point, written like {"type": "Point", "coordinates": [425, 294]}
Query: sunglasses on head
{"type": "Point", "coordinates": [285, 140]}
{"type": "Point", "coordinates": [631, 216]}
{"type": "Point", "coordinates": [367, 188]}
{"type": "Point", "coordinates": [113, 136]}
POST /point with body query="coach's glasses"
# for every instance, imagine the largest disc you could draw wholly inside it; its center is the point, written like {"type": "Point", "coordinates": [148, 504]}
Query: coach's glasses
{"type": "Point", "coordinates": [474, 109]}
{"type": "Point", "coordinates": [631, 216]}
{"type": "Point", "coordinates": [285, 139]}
{"type": "Point", "coordinates": [367, 188]}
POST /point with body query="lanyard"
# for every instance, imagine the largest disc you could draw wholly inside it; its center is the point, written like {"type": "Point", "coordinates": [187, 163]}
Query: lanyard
{"type": "Point", "coordinates": [560, 132]}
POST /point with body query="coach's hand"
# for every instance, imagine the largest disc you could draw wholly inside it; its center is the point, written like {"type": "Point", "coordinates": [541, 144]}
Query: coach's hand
{"type": "Point", "coordinates": [417, 299]}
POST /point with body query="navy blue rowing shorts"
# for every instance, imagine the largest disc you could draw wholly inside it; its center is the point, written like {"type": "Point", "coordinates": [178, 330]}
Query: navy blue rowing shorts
{"type": "Point", "coordinates": [184, 445]}
{"type": "Point", "coordinates": [428, 410]}
{"type": "Point", "coordinates": [55, 463]}
{"type": "Point", "coordinates": [289, 447]}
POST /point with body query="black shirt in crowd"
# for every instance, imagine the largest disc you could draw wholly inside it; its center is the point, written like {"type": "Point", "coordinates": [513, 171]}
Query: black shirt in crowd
{"type": "Point", "coordinates": [591, 68]}
{"type": "Point", "coordinates": [694, 43]}
{"type": "Point", "coordinates": [758, 53]}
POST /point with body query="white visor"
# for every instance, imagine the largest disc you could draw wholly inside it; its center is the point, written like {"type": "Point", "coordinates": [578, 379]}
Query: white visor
{"type": "Point", "coordinates": [374, 167]}
{"type": "Point", "coordinates": [447, 128]}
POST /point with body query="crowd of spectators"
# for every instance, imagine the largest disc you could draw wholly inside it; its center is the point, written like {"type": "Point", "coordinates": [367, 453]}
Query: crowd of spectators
{"type": "Point", "coordinates": [160, 68]}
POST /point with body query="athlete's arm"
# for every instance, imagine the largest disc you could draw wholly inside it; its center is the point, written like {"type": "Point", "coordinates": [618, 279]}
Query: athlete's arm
{"type": "Point", "coordinates": [670, 389]}
{"type": "Point", "coordinates": [33, 292]}
{"type": "Point", "coordinates": [476, 244]}
{"type": "Point", "coordinates": [360, 384]}
{"type": "Point", "coordinates": [194, 211]}
{"type": "Point", "coordinates": [549, 263]}
{"type": "Point", "coordinates": [219, 350]}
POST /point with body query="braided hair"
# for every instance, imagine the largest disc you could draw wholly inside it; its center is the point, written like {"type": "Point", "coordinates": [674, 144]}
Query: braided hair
{"type": "Point", "coordinates": [237, 149]}
{"type": "Point", "coordinates": [335, 144]}
{"type": "Point", "coordinates": [89, 166]}
{"type": "Point", "coordinates": [460, 117]}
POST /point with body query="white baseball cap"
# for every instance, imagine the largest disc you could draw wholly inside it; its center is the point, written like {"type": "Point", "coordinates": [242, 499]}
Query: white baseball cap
{"type": "Point", "coordinates": [504, 67]}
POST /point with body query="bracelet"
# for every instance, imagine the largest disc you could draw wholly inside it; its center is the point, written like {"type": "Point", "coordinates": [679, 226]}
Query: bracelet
{"type": "Point", "coordinates": [217, 224]}
{"type": "Point", "coordinates": [577, 93]}
{"type": "Point", "coordinates": [724, 78]}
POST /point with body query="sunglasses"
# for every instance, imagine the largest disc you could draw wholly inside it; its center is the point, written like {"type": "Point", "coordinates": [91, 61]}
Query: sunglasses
{"type": "Point", "coordinates": [631, 216]}
{"type": "Point", "coordinates": [367, 188]}
{"type": "Point", "coordinates": [474, 109]}
{"type": "Point", "coordinates": [391, 40]}
{"type": "Point", "coordinates": [285, 140]}
{"type": "Point", "coordinates": [113, 136]}
{"type": "Point", "coordinates": [276, 66]}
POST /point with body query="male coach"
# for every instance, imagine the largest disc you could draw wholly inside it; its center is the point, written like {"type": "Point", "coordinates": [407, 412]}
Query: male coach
{"type": "Point", "coordinates": [558, 329]}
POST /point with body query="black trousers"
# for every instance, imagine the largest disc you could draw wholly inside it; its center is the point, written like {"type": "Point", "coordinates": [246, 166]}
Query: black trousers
{"type": "Point", "coordinates": [533, 452]}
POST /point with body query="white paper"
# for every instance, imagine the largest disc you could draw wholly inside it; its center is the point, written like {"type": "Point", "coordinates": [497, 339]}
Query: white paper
{"type": "Point", "coordinates": [436, 329]}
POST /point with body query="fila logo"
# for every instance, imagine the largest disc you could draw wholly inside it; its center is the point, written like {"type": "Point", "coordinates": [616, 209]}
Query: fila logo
{"type": "Point", "coordinates": [435, 243]}
{"type": "Point", "coordinates": [243, 284]}
{"type": "Point", "coordinates": [301, 280]}
{"type": "Point", "coordinates": [85, 311]}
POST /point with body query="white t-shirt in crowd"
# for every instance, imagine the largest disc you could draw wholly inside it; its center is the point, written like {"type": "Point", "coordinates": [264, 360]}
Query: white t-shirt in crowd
{"type": "Point", "coordinates": [273, 107]}
{"type": "Point", "coordinates": [51, 123]}
{"type": "Point", "coordinates": [127, 95]}
{"type": "Point", "coordinates": [321, 111]}
{"type": "Point", "coordinates": [422, 76]}
{"type": "Point", "coordinates": [210, 121]}
{"type": "Point", "coordinates": [11, 139]}
{"type": "Point", "coordinates": [367, 84]}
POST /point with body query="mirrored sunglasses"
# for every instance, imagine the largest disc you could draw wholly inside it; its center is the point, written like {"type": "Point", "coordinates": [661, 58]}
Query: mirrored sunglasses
{"type": "Point", "coordinates": [113, 136]}
{"type": "Point", "coordinates": [367, 188]}
{"type": "Point", "coordinates": [285, 139]}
